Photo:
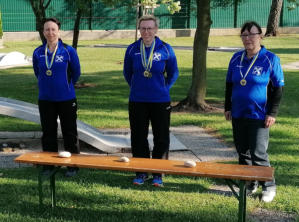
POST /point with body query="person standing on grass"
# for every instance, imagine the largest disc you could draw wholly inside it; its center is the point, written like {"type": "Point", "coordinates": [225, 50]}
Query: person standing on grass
{"type": "Point", "coordinates": [253, 92]}
{"type": "Point", "coordinates": [57, 69]}
{"type": "Point", "coordinates": [150, 69]}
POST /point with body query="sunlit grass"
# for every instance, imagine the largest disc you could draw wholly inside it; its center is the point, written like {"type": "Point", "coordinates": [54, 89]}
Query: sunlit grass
{"type": "Point", "coordinates": [104, 105]}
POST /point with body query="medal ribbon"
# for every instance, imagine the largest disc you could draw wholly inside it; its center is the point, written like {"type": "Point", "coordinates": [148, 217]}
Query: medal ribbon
{"type": "Point", "coordinates": [53, 56]}
{"type": "Point", "coordinates": [253, 61]}
{"type": "Point", "coordinates": [147, 63]}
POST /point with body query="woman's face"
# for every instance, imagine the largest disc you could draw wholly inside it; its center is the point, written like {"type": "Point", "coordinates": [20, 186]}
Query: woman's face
{"type": "Point", "coordinates": [51, 31]}
{"type": "Point", "coordinates": [148, 31]}
{"type": "Point", "coordinates": [251, 39]}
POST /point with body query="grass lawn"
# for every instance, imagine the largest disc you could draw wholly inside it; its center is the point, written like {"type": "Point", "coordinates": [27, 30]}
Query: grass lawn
{"type": "Point", "coordinates": [109, 196]}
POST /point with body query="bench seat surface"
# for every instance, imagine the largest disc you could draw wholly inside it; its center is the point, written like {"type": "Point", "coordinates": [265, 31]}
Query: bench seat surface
{"type": "Point", "coordinates": [202, 169]}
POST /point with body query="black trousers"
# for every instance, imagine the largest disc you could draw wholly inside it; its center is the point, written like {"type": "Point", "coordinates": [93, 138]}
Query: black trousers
{"type": "Point", "coordinates": [67, 113]}
{"type": "Point", "coordinates": [141, 115]}
{"type": "Point", "coordinates": [251, 139]}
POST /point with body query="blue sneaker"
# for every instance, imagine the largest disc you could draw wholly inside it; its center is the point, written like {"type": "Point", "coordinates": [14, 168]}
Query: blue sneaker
{"type": "Point", "coordinates": [140, 178]}
{"type": "Point", "coordinates": [157, 181]}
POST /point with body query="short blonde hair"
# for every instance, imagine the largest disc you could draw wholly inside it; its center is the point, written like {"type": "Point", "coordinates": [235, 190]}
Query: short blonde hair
{"type": "Point", "coordinates": [148, 18]}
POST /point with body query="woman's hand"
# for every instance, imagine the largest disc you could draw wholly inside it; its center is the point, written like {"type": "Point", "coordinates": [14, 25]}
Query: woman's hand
{"type": "Point", "coordinates": [269, 121]}
{"type": "Point", "coordinates": [228, 115]}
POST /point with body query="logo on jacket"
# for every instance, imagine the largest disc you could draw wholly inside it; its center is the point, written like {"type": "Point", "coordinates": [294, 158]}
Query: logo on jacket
{"type": "Point", "coordinates": [59, 58]}
{"type": "Point", "coordinates": [157, 56]}
{"type": "Point", "coordinates": [257, 70]}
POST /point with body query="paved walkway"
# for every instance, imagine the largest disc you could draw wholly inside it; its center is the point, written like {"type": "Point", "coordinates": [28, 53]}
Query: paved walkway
{"type": "Point", "coordinates": [200, 146]}
{"type": "Point", "coordinates": [222, 49]}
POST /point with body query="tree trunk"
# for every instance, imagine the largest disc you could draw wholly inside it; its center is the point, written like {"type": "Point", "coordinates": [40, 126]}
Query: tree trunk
{"type": "Point", "coordinates": [39, 11]}
{"type": "Point", "coordinates": [236, 3]}
{"type": "Point", "coordinates": [77, 28]}
{"type": "Point", "coordinates": [273, 19]}
{"type": "Point", "coordinates": [197, 92]}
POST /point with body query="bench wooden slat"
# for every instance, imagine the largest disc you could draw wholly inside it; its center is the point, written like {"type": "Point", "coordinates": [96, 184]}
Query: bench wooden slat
{"type": "Point", "coordinates": [203, 169]}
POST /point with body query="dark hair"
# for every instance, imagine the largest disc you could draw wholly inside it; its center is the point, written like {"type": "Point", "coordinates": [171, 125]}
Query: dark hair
{"type": "Point", "coordinates": [52, 19]}
{"type": "Point", "coordinates": [248, 25]}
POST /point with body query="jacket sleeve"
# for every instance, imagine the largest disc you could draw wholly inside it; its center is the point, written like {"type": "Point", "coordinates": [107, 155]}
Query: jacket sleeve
{"type": "Point", "coordinates": [171, 68]}
{"type": "Point", "coordinates": [275, 87]}
{"type": "Point", "coordinates": [228, 87]}
{"type": "Point", "coordinates": [128, 65]}
{"type": "Point", "coordinates": [35, 63]}
{"type": "Point", "coordinates": [74, 64]}
{"type": "Point", "coordinates": [228, 96]}
{"type": "Point", "coordinates": [274, 95]}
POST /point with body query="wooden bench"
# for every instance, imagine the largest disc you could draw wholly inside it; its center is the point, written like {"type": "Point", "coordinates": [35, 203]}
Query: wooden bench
{"type": "Point", "coordinates": [230, 172]}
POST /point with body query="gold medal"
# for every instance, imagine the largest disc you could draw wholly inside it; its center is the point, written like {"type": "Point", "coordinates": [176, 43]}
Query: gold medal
{"type": "Point", "coordinates": [49, 72]}
{"type": "Point", "coordinates": [147, 62]}
{"type": "Point", "coordinates": [243, 82]}
{"type": "Point", "coordinates": [147, 74]}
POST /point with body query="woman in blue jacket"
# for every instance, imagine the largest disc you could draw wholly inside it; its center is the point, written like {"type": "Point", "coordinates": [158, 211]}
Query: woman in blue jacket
{"type": "Point", "coordinates": [150, 69]}
{"type": "Point", "coordinates": [57, 69]}
{"type": "Point", "coordinates": [253, 91]}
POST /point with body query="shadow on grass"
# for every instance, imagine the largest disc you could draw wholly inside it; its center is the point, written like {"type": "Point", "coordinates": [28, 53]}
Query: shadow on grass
{"type": "Point", "coordinates": [108, 196]}
{"type": "Point", "coordinates": [284, 50]}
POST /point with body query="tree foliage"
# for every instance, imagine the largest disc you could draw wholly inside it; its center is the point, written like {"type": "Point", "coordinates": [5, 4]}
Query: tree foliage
{"type": "Point", "coordinates": [293, 4]}
{"type": "Point", "coordinates": [148, 6]}
{"type": "Point", "coordinates": [225, 3]}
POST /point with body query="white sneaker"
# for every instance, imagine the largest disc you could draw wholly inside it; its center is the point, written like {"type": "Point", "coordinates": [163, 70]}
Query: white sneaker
{"type": "Point", "coordinates": [268, 196]}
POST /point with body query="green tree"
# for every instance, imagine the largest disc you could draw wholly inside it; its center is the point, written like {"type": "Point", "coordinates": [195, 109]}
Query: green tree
{"type": "Point", "coordinates": [39, 8]}
{"type": "Point", "coordinates": [273, 19]}
{"type": "Point", "coordinates": [275, 13]}
{"type": "Point", "coordinates": [197, 92]}
{"type": "Point", "coordinates": [148, 6]}
{"type": "Point", "coordinates": [293, 4]}
{"type": "Point", "coordinates": [82, 7]}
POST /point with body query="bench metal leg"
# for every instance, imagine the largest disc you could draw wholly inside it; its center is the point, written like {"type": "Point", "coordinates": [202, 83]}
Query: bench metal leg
{"type": "Point", "coordinates": [241, 196]}
{"type": "Point", "coordinates": [242, 201]}
{"type": "Point", "coordinates": [40, 188]}
{"type": "Point", "coordinates": [52, 187]}
{"type": "Point", "coordinates": [41, 179]}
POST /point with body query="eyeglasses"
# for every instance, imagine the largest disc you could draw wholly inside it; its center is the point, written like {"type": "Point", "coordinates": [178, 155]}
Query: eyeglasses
{"type": "Point", "coordinates": [149, 29]}
{"type": "Point", "coordinates": [250, 35]}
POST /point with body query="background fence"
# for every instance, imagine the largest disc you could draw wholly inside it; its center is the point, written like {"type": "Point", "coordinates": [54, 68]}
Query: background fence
{"type": "Point", "coordinates": [17, 15]}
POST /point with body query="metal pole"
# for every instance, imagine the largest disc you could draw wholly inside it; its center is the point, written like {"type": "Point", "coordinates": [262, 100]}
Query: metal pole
{"type": "Point", "coordinates": [242, 201]}
{"type": "Point", "coordinates": [52, 187]}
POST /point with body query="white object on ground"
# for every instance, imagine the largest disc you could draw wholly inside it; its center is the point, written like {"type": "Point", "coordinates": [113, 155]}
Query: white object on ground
{"type": "Point", "coordinates": [14, 58]}
{"type": "Point", "coordinates": [268, 196]}
{"type": "Point", "coordinates": [190, 163]}
{"type": "Point", "coordinates": [124, 159]}
{"type": "Point", "coordinates": [64, 154]}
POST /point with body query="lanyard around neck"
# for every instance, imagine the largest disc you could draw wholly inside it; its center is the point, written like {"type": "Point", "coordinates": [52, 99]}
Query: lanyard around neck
{"type": "Point", "coordinates": [147, 63]}
{"type": "Point", "coordinates": [53, 56]}
{"type": "Point", "coordinates": [251, 64]}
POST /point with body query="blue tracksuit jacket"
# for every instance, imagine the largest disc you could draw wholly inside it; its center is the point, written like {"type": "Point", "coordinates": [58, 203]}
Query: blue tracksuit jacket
{"type": "Point", "coordinates": [250, 101]}
{"type": "Point", "coordinates": [156, 88]}
{"type": "Point", "coordinates": [60, 85]}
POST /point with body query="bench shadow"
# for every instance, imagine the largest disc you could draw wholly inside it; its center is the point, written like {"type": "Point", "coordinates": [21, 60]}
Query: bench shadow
{"type": "Point", "coordinates": [95, 205]}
